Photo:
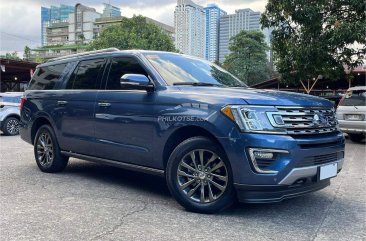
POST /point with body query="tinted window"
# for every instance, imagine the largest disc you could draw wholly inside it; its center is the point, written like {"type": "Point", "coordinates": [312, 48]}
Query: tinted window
{"type": "Point", "coordinates": [45, 78]}
{"type": "Point", "coordinates": [355, 98]}
{"type": "Point", "coordinates": [86, 75]}
{"type": "Point", "coordinates": [119, 67]}
{"type": "Point", "coordinates": [11, 99]}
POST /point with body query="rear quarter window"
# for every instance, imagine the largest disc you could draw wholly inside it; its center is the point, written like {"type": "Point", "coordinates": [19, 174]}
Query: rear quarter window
{"type": "Point", "coordinates": [355, 98]}
{"type": "Point", "coordinates": [46, 78]}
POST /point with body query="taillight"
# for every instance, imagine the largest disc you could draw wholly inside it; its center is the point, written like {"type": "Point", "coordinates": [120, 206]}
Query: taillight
{"type": "Point", "coordinates": [22, 102]}
{"type": "Point", "coordinates": [342, 99]}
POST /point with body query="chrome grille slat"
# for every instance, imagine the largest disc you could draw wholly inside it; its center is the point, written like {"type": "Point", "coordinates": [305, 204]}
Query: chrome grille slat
{"type": "Point", "coordinates": [300, 121]}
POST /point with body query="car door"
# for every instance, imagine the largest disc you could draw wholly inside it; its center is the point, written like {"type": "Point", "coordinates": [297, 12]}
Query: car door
{"type": "Point", "coordinates": [78, 106]}
{"type": "Point", "coordinates": [124, 117]}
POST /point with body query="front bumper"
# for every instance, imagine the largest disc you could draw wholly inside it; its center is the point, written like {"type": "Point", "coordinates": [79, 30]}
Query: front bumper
{"type": "Point", "coordinates": [268, 194]}
{"type": "Point", "coordinates": [295, 174]}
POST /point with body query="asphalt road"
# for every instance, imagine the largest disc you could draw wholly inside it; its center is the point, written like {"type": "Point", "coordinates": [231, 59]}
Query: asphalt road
{"type": "Point", "coordinates": [94, 202]}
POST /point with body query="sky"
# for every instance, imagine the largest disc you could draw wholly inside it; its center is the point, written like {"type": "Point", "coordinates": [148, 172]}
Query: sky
{"type": "Point", "coordinates": [20, 23]}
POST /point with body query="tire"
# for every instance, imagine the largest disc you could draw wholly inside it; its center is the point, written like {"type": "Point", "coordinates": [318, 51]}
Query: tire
{"type": "Point", "coordinates": [11, 126]}
{"type": "Point", "coordinates": [47, 152]}
{"type": "Point", "coordinates": [182, 171]}
{"type": "Point", "coordinates": [356, 137]}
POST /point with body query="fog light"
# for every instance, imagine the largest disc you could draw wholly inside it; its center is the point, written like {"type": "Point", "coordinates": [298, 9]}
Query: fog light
{"type": "Point", "coordinates": [260, 157]}
{"type": "Point", "coordinates": [263, 155]}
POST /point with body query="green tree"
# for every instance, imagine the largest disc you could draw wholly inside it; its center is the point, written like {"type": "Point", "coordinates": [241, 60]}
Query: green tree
{"type": "Point", "coordinates": [316, 37]}
{"type": "Point", "coordinates": [27, 53]}
{"type": "Point", "coordinates": [134, 33]}
{"type": "Point", "coordinates": [248, 58]}
{"type": "Point", "coordinates": [13, 55]}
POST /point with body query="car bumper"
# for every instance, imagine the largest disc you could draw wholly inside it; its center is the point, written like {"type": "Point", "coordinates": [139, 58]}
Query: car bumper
{"type": "Point", "coordinates": [268, 194]}
{"type": "Point", "coordinates": [352, 126]}
{"type": "Point", "coordinates": [294, 175]}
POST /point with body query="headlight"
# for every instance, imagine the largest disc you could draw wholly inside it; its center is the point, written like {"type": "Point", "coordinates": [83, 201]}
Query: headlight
{"type": "Point", "coordinates": [252, 118]}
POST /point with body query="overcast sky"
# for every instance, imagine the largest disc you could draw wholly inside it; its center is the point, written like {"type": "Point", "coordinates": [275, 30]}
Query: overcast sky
{"type": "Point", "coordinates": [20, 19]}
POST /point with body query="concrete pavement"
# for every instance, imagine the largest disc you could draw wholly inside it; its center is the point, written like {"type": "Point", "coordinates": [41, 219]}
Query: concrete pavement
{"type": "Point", "coordinates": [93, 202]}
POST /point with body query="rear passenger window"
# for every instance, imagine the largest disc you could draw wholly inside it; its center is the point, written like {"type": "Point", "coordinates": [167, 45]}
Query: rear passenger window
{"type": "Point", "coordinates": [86, 75]}
{"type": "Point", "coordinates": [121, 66]}
{"type": "Point", "coordinates": [46, 78]}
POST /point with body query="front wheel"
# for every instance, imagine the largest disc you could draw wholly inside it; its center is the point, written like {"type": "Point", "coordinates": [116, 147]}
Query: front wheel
{"type": "Point", "coordinates": [46, 151]}
{"type": "Point", "coordinates": [199, 176]}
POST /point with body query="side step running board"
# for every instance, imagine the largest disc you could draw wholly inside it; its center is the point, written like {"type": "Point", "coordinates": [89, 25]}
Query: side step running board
{"type": "Point", "coordinates": [123, 165]}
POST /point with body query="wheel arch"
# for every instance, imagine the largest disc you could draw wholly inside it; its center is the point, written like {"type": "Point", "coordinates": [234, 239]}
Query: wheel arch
{"type": "Point", "coordinates": [38, 122]}
{"type": "Point", "coordinates": [183, 133]}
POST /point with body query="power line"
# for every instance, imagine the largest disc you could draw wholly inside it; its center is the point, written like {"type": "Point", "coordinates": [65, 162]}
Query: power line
{"type": "Point", "coordinates": [20, 37]}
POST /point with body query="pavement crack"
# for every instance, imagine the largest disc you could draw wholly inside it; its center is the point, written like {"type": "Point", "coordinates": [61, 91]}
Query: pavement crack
{"type": "Point", "coordinates": [120, 223]}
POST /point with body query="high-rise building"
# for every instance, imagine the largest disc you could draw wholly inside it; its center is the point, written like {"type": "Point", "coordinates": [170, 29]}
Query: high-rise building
{"type": "Point", "coordinates": [213, 14]}
{"type": "Point", "coordinates": [189, 21]}
{"type": "Point", "coordinates": [110, 11]}
{"type": "Point", "coordinates": [53, 14]}
{"type": "Point", "coordinates": [82, 24]}
{"type": "Point", "coordinates": [232, 24]}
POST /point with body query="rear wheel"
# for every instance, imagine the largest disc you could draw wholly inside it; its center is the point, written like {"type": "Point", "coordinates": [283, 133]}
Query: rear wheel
{"type": "Point", "coordinates": [356, 137]}
{"type": "Point", "coordinates": [46, 151]}
{"type": "Point", "coordinates": [11, 126]}
{"type": "Point", "coordinates": [199, 176]}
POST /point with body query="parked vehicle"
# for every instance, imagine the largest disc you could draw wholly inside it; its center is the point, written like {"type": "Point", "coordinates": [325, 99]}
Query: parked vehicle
{"type": "Point", "coordinates": [351, 113]}
{"type": "Point", "coordinates": [185, 119]}
{"type": "Point", "coordinates": [9, 112]}
{"type": "Point", "coordinates": [335, 99]}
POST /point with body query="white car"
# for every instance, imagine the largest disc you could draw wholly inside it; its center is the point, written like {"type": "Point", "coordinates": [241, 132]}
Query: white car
{"type": "Point", "coordinates": [10, 112]}
{"type": "Point", "coordinates": [351, 113]}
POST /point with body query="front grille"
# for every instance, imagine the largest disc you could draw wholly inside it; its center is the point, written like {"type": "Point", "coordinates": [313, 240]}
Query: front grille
{"type": "Point", "coordinates": [305, 121]}
{"type": "Point", "coordinates": [320, 159]}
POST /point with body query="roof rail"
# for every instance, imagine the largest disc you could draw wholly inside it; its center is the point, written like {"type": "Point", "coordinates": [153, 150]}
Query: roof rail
{"type": "Point", "coordinates": [83, 54]}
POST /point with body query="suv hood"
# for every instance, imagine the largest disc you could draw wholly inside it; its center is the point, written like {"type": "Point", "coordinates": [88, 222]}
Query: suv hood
{"type": "Point", "coordinates": [259, 96]}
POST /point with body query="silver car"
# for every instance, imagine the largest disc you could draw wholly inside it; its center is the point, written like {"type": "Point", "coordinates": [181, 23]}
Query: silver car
{"type": "Point", "coordinates": [10, 112]}
{"type": "Point", "coordinates": [351, 113]}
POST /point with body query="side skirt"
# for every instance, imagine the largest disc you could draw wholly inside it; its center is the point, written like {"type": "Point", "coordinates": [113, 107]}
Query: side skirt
{"type": "Point", "coordinates": [124, 165]}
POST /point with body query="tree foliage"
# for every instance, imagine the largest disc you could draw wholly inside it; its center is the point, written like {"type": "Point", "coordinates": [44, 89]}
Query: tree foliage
{"type": "Point", "coordinates": [248, 58]}
{"type": "Point", "coordinates": [134, 33]}
{"type": "Point", "coordinates": [27, 53]}
{"type": "Point", "coordinates": [316, 37]}
{"type": "Point", "coordinates": [13, 56]}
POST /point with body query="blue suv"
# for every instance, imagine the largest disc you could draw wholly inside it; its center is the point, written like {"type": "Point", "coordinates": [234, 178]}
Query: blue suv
{"type": "Point", "coordinates": [188, 120]}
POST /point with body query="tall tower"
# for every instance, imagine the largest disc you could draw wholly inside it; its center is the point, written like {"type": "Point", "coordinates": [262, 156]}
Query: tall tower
{"type": "Point", "coordinates": [213, 14]}
{"type": "Point", "coordinates": [232, 24]}
{"type": "Point", "coordinates": [189, 21]}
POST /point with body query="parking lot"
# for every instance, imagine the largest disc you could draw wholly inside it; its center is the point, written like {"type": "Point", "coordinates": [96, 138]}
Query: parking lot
{"type": "Point", "coordinates": [94, 202]}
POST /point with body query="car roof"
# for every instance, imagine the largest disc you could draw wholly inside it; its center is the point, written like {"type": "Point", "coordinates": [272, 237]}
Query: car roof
{"type": "Point", "coordinates": [358, 88]}
{"type": "Point", "coordinates": [99, 53]}
{"type": "Point", "coordinates": [11, 94]}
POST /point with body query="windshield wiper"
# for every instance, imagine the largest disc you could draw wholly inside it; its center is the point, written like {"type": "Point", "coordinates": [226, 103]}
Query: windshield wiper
{"type": "Point", "coordinates": [195, 84]}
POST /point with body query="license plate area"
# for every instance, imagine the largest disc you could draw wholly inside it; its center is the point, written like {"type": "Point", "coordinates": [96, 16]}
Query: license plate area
{"type": "Point", "coordinates": [353, 117]}
{"type": "Point", "coordinates": [327, 171]}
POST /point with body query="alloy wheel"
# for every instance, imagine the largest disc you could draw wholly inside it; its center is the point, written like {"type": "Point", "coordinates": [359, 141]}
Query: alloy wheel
{"type": "Point", "coordinates": [13, 126]}
{"type": "Point", "coordinates": [202, 176]}
{"type": "Point", "coordinates": [45, 149]}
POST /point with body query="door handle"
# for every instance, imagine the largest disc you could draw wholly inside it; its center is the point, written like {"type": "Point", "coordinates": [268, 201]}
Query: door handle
{"type": "Point", "coordinates": [104, 104]}
{"type": "Point", "coordinates": [61, 102]}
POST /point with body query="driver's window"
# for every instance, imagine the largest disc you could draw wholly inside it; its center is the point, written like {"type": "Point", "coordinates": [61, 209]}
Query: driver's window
{"type": "Point", "coordinates": [119, 67]}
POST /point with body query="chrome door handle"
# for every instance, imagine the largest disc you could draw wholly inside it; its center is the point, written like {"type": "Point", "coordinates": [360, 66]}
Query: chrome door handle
{"type": "Point", "coordinates": [104, 104]}
{"type": "Point", "coordinates": [61, 102]}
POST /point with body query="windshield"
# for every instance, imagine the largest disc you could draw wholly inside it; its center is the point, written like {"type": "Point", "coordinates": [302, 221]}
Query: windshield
{"type": "Point", "coordinates": [355, 98]}
{"type": "Point", "coordinates": [180, 69]}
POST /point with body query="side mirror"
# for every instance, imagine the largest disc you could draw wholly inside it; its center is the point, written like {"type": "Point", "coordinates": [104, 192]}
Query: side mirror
{"type": "Point", "coordinates": [136, 81]}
